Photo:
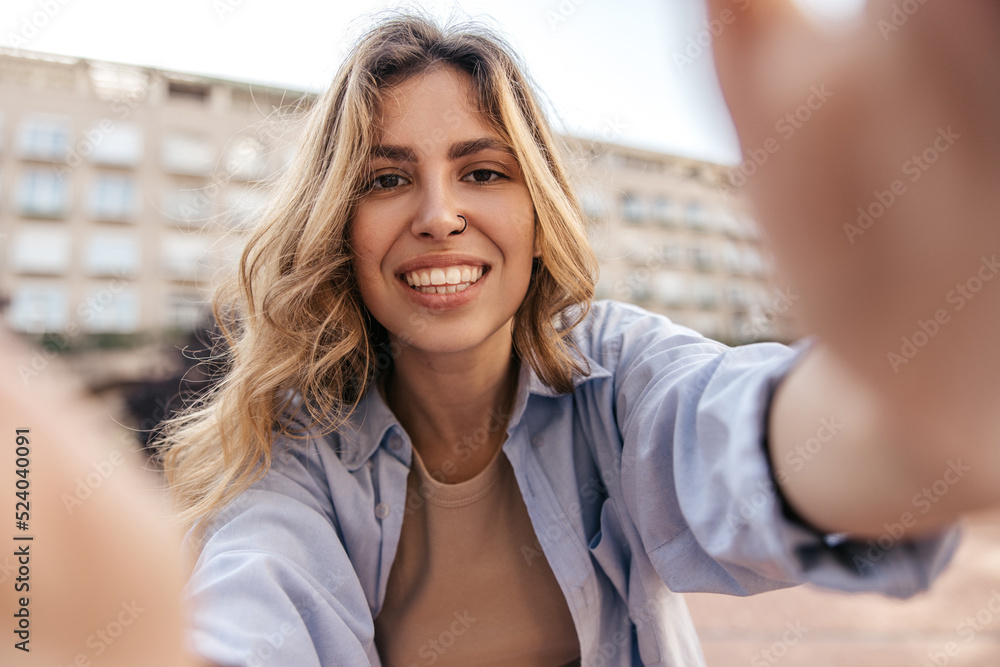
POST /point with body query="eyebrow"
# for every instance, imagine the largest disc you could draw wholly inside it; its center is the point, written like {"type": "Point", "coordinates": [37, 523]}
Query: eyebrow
{"type": "Point", "coordinates": [467, 148]}
{"type": "Point", "coordinates": [455, 152]}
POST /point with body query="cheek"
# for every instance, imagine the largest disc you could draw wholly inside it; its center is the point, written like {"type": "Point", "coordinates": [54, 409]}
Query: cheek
{"type": "Point", "coordinates": [367, 248]}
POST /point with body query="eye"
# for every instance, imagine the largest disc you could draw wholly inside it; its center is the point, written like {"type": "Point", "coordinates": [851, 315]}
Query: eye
{"type": "Point", "coordinates": [387, 182]}
{"type": "Point", "coordinates": [483, 176]}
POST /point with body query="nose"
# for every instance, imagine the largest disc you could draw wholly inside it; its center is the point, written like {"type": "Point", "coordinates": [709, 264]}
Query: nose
{"type": "Point", "coordinates": [438, 216]}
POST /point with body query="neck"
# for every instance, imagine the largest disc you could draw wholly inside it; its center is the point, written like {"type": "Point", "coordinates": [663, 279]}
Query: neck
{"type": "Point", "coordinates": [454, 406]}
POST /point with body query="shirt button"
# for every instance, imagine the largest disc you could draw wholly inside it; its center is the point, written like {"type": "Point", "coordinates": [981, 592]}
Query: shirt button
{"type": "Point", "coordinates": [395, 443]}
{"type": "Point", "coordinates": [382, 510]}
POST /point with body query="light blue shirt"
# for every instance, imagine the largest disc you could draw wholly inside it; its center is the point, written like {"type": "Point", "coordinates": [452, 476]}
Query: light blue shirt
{"type": "Point", "coordinates": [649, 480]}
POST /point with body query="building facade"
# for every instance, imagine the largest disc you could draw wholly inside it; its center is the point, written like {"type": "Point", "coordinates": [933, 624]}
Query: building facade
{"type": "Point", "coordinates": [124, 189]}
{"type": "Point", "coordinates": [673, 235]}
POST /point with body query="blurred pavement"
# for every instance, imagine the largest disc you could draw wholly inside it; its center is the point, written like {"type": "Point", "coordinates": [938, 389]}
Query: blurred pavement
{"type": "Point", "coordinates": [808, 627]}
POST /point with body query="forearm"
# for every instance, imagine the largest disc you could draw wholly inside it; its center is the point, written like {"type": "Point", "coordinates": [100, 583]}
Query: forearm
{"type": "Point", "coordinates": [849, 458]}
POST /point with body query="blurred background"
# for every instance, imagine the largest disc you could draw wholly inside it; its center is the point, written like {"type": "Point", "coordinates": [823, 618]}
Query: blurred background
{"type": "Point", "coordinates": [137, 141]}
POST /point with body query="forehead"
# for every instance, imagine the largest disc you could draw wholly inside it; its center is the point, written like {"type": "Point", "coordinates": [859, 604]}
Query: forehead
{"type": "Point", "coordinates": [436, 103]}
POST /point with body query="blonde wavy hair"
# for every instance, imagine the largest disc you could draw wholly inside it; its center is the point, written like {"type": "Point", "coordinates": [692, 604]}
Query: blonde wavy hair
{"type": "Point", "coordinates": [296, 334]}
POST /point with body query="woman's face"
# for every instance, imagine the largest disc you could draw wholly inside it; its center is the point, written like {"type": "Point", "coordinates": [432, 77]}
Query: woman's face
{"type": "Point", "coordinates": [436, 160]}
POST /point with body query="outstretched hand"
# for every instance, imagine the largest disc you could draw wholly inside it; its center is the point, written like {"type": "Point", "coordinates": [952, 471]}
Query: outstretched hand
{"type": "Point", "coordinates": [877, 155]}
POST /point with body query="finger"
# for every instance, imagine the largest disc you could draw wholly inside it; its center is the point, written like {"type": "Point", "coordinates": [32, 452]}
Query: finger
{"type": "Point", "coordinates": [764, 57]}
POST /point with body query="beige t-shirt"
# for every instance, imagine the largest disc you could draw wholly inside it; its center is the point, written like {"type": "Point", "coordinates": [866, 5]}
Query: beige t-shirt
{"type": "Point", "coordinates": [460, 592]}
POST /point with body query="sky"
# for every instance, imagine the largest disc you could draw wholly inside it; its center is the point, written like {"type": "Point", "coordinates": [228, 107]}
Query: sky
{"type": "Point", "coordinates": [627, 71]}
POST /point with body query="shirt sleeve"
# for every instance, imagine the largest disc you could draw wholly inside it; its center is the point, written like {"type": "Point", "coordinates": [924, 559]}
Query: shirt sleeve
{"type": "Point", "coordinates": [693, 418]}
{"type": "Point", "coordinates": [274, 585]}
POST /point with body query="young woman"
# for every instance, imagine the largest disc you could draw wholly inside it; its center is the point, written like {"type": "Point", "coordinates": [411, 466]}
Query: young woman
{"type": "Point", "coordinates": [431, 448]}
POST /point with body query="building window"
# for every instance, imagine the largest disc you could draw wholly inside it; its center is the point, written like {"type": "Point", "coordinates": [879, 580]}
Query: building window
{"type": "Point", "coordinates": [188, 155]}
{"type": "Point", "coordinates": [184, 90]}
{"type": "Point", "coordinates": [184, 312]}
{"type": "Point", "coordinates": [187, 258]}
{"type": "Point", "coordinates": [731, 258]}
{"type": "Point", "coordinates": [663, 212]}
{"type": "Point", "coordinates": [246, 159]}
{"type": "Point", "coordinates": [113, 198]}
{"type": "Point", "coordinates": [736, 295]}
{"type": "Point", "coordinates": [671, 254]}
{"type": "Point", "coordinates": [111, 309]}
{"type": "Point", "coordinates": [41, 251]}
{"type": "Point", "coordinates": [188, 206]}
{"type": "Point", "coordinates": [706, 295]}
{"type": "Point", "coordinates": [43, 137]}
{"type": "Point", "coordinates": [43, 193]}
{"type": "Point", "coordinates": [632, 209]}
{"type": "Point", "coordinates": [695, 217]}
{"type": "Point", "coordinates": [112, 255]}
{"type": "Point", "coordinates": [119, 147]}
{"type": "Point", "coordinates": [703, 257]}
{"type": "Point", "coordinates": [38, 309]}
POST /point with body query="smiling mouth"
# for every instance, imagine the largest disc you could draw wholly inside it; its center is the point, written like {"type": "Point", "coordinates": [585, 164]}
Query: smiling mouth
{"type": "Point", "coordinates": [444, 280]}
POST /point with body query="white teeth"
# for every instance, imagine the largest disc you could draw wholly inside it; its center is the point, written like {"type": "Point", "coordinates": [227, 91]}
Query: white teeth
{"type": "Point", "coordinates": [446, 280]}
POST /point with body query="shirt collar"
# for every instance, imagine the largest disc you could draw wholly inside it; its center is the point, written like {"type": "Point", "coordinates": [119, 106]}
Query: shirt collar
{"type": "Point", "coordinates": [373, 423]}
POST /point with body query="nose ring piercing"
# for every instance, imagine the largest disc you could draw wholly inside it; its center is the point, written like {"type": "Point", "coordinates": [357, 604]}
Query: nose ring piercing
{"type": "Point", "coordinates": [459, 231]}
